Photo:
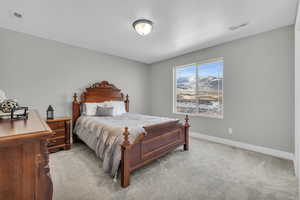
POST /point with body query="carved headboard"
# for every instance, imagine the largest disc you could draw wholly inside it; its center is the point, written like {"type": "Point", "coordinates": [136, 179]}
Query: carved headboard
{"type": "Point", "coordinates": [98, 92]}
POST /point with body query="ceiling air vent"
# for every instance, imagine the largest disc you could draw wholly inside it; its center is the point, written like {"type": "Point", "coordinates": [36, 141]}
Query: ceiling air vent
{"type": "Point", "coordinates": [233, 28]}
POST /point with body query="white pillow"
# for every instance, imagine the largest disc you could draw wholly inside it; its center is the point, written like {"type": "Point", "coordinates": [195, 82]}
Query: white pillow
{"type": "Point", "coordinates": [91, 108]}
{"type": "Point", "coordinates": [119, 107]}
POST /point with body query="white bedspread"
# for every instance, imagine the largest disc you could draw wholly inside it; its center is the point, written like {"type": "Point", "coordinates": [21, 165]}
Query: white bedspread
{"type": "Point", "coordinates": [105, 134]}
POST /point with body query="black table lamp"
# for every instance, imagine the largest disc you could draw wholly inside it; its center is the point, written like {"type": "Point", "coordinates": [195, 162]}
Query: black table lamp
{"type": "Point", "coordinates": [50, 113]}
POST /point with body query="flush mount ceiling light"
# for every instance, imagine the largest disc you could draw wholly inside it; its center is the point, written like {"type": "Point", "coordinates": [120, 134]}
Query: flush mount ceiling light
{"type": "Point", "coordinates": [143, 26]}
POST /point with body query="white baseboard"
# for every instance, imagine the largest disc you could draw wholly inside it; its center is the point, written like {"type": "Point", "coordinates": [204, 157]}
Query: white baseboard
{"type": "Point", "coordinates": [263, 150]}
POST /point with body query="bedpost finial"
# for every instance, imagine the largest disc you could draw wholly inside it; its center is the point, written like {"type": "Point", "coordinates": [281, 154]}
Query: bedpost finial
{"type": "Point", "coordinates": [127, 103]}
{"type": "Point", "coordinates": [75, 97]}
{"type": "Point", "coordinates": [126, 134]}
{"type": "Point", "coordinates": [187, 121]}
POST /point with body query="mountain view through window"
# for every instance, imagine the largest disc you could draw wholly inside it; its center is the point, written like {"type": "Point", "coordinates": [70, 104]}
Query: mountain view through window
{"type": "Point", "coordinates": [199, 89]}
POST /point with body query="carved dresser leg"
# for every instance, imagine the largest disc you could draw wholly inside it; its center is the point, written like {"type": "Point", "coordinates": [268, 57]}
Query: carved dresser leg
{"type": "Point", "coordinates": [45, 184]}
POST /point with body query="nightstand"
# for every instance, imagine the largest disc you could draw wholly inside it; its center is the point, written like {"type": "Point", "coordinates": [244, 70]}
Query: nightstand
{"type": "Point", "coordinates": [60, 139]}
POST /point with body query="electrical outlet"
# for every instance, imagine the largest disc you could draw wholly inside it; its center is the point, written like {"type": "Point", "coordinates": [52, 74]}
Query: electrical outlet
{"type": "Point", "coordinates": [230, 131]}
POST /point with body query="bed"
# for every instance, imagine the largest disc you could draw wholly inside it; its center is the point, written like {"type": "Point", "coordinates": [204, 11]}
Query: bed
{"type": "Point", "coordinates": [130, 140]}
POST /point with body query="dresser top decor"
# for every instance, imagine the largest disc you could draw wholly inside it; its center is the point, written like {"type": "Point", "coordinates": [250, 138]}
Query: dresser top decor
{"type": "Point", "coordinates": [24, 128]}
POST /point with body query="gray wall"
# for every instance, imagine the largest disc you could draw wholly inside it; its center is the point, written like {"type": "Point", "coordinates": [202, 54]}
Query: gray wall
{"type": "Point", "coordinates": [297, 96]}
{"type": "Point", "coordinates": [40, 72]}
{"type": "Point", "coordinates": [258, 86]}
{"type": "Point", "coordinates": [258, 89]}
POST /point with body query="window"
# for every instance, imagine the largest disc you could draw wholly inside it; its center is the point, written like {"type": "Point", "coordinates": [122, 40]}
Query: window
{"type": "Point", "coordinates": [198, 89]}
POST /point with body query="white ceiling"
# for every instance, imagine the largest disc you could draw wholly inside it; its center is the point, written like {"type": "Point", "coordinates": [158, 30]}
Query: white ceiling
{"type": "Point", "coordinates": [180, 26]}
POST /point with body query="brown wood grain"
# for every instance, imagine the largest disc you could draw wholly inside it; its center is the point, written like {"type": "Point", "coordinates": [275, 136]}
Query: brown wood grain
{"type": "Point", "coordinates": [96, 93]}
{"type": "Point", "coordinates": [24, 169]}
{"type": "Point", "coordinates": [12, 129]}
{"type": "Point", "coordinates": [60, 139]}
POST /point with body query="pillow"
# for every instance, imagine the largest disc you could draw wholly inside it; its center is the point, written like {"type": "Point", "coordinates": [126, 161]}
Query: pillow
{"type": "Point", "coordinates": [90, 108]}
{"type": "Point", "coordinates": [104, 111]}
{"type": "Point", "coordinates": [119, 107]}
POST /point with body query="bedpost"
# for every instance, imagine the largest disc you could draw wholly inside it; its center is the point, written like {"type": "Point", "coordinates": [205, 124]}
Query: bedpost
{"type": "Point", "coordinates": [186, 133]}
{"type": "Point", "coordinates": [125, 171]}
{"type": "Point", "coordinates": [75, 109]}
{"type": "Point", "coordinates": [127, 103]}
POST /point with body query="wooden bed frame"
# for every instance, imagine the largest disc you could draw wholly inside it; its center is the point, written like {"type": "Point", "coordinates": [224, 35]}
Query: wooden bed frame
{"type": "Point", "coordinates": [159, 140]}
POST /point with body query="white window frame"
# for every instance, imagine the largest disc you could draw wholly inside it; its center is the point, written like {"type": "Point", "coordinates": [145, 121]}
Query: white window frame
{"type": "Point", "coordinates": [175, 84]}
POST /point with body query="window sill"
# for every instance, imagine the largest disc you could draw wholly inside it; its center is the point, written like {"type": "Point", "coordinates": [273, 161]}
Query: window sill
{"type": "Point", "coordinates": [199, 115]}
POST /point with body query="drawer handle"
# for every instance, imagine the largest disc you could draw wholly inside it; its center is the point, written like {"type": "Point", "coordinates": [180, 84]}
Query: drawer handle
{"type": "Point", "coordinates": [51, 144]}
{"type": "Point", "coordinates": [54, 141]}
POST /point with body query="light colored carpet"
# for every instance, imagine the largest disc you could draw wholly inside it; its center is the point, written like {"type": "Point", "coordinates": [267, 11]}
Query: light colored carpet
{"type": "Point", "coordinates": [209, 171]}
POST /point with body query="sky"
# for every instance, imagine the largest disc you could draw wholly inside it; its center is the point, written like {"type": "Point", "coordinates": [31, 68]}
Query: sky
{"type": "Point", "coordinates": [209, 69]}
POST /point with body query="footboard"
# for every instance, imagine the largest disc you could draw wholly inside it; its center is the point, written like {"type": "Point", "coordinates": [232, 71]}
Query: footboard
{"type": "Point", "coordinates": [160, 139]}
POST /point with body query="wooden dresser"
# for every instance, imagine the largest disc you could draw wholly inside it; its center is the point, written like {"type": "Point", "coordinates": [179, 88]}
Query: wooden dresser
{"type": "Point", "coordinates": [24, 169]}
{"type": "Point", "coordinates": [60, 139]}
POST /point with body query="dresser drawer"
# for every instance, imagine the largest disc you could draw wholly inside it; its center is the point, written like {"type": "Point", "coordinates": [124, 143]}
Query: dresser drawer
{"type": "Point", "coordinates": [56, 125]}
{"type": "Point", "coordinates": [56, 141]}
{"type": "Point", "coordinates": [58, 133]}
{"type": "Point", "coordinates": [60, 139]}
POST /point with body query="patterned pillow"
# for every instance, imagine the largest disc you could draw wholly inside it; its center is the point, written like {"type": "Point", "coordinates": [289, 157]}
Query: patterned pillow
{"type": "Point", "coordinates": [104, 111]}
{"type": "Point", "coordinates": [7, 105]}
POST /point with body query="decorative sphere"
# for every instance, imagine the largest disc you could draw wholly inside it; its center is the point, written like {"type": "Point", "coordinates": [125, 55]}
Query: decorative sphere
{"type": "Point", "coordinates": [7, 105]}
